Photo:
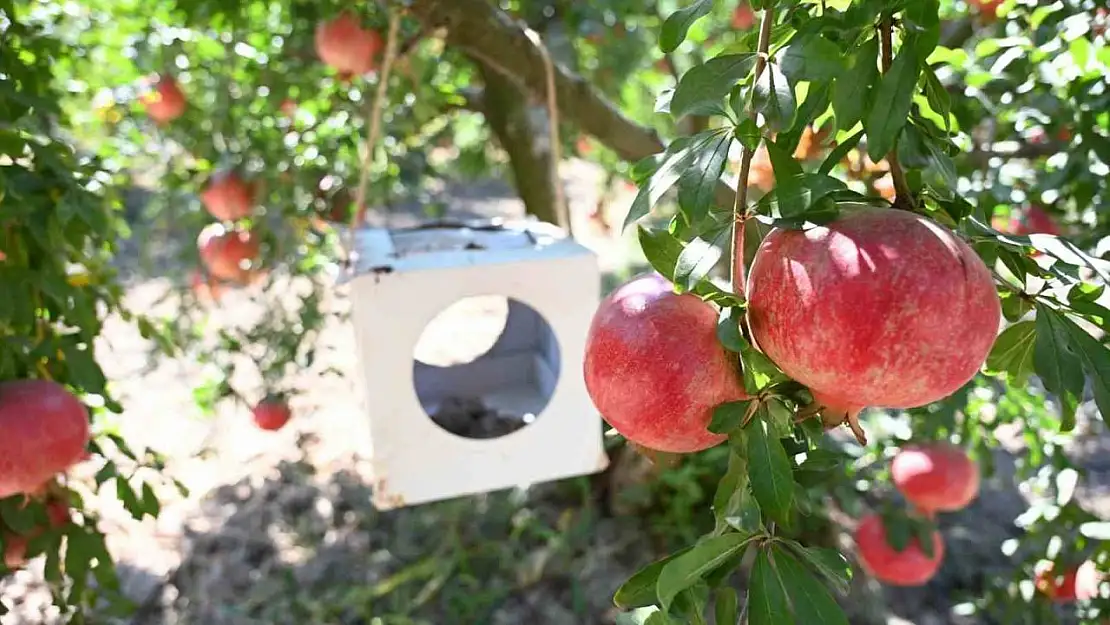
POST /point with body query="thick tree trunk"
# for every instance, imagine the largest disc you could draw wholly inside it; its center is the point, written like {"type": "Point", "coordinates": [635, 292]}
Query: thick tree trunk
{"type": "Point", "coordinates": [521, 128]}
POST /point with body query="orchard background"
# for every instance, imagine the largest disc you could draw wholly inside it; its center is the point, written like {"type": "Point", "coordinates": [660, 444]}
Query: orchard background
{"type": "Point", "coordinates": [187, 510]}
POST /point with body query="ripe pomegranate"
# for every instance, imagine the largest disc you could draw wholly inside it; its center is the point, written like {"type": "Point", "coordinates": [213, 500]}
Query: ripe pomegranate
{"type": "Point", "coordinates": [743, 17]}
{"type": "Point", "coordinates": [987, 8]}
{"type": "Point", "coordinates": [880, 307]}
{"type": "Point", "coordinates": [938, 477]}
{"type": "Point", "coordinates": [344, 44]}
{"type": "Point", "coordinates": [45, 429]}
{"type": "Point", "coordinates": [655, 368]}
{"type": "Point", "coordinates": [271, 414]}
{"type": "Point", "coordinates": [1077, 584]}
{"type": "Point", "coordinates": [165, 102]}
{"type": "Point", "coordinates": [228, 197]}
{"type": "Point", "coordinates": [229, 254]}
{"type": "Point", "coordinates": [910, 567]}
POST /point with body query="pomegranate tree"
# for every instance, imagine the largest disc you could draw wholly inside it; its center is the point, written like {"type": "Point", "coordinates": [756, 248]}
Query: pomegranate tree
{"type": "Point", "coordinates": [861, 310]}
{"type": "Point", "coordinates": [45, 430]}
{"type": "Point", "coordinates": [910, 567]}
{"type": "Point", "coordinates": [938, 477]}
{"type": "Point", "coordinates": [655, 368]}
{"type": "Point", "coordinates": [345, 45]}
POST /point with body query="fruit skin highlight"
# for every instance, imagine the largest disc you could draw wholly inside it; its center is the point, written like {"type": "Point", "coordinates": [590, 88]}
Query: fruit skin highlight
{"type": "Point", "coordinates": [938, 477]}
{"type": "Point", "coordinates": [45, 430]}
{"type": "Point", "coordinates": [910, 567]}
{"type": "Point", "coordinates": [881, 307]}
{"type": "Point", "coordinates": [655, 368]}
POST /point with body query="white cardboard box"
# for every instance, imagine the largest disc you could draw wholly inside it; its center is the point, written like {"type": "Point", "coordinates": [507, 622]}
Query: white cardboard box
{"type": "Point", "coordinates": [402, 279]}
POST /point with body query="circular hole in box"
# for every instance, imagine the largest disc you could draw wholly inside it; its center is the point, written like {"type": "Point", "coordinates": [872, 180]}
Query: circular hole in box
{"type": "Point", "coordinates": [486, 366]}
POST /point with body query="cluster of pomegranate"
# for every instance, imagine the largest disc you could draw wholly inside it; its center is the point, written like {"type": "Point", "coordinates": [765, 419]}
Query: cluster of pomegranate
{"type": "Point", "coordinates": [52, 426]}
{"type": "Point", "coordinates": [880, 307]}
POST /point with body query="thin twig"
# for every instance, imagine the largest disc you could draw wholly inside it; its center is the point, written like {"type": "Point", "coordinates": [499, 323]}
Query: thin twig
{"type": "Point", "coordinates": [903, 197]}
{"type": "Point", "coordinates": [562, 211]}
{"type": "Point", "coordinates": [375, 107]}
{"type": "Point", "coordinates": [740, 206]}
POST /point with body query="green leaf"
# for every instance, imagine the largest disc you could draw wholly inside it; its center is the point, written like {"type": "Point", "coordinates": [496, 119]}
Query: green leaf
{"type": "Point", "coordinates": [767, 601]}
{"type": "Point", "coordinates": [829, 563]}
{"type": "Point", "coordinates": [661, 248]}
{"type": "Point", "coordinates": [938, 97]}
{"type": "Point", "coordinates": [851, 93]}
{"type": "Point", "coordinates": [639, 590]}
{"type": "Point", "coordinates": [1054, 360]}
{"type": "Point", "coordinates": [691, 567]}
{"type": "Point", "coordinates": [1012, 353]}
{"type": "Point", "coordinates": [839, 152]}
{"type": "Point", "coordinates": [812, 603]}
{"type": "Point", "coordinates": [696, 261]}
{"type": "Point", "coordinates": [728, 329]}
{"type": "Point", "coordinates": [890, 106]}
{"type": "Point", "coordinates": [678, 24]}
{"type": "Point", "coordinates": [747, 133]}
{"type": "Point", "coordinates": [816, 103]}
{"type": "Point", "coordinates": [769, 472]}
{"type": "Point", "coordinates": [693, 158]}
{"type": "Point", "coordinates": [778, 417]}
{"type": "Point", "coordinates": [788, 181]}
{"type": "Point", "coordinates": [727, 608]}
{"type": "Point", "coordinates": [709, 83]}
{"type": "Point", "coordinates": [758, 370]}
{"type": "Point", "coordinates": [1096, 362]}
{"type": "Point", "coordinates": [729, 496]}
{"type": "Point", "coordinates": [728, 416]}
{"type": "Point", "coordinates": [812, 57]}
{"type": "Point", "coordinates": [774, 97]}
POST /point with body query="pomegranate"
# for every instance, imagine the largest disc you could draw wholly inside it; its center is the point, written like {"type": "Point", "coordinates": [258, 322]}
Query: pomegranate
{"type": "Point", "coordinates": [205, 286]}
{"type": "Point", "coordinates": [910, 567]}
{"type": "Point", "coordinates": [345, 45]}
{"type": "Point", "coordinates": [45, 429]}
{"type": "Point", "coordinates": [229, 254]}
{"type": "Point", "coordinates": [743, 17]}
{"type": "Point", "coordinates": [938, 477]}
{"type": "Point", "coordinates": [228, 197]}
{"type": "Point", "coordinates": [655, 368]}
{"type": "Point", "coordinates": [1076, 584]}
{"type": "Point", "coordinates": [880, 307]}
{"type": "Point", "coordinates": [165, 102]}
{"type": "Point", "coordinates": [1034, 220]}
{"type": "Point", "coordinates": [271, 414]}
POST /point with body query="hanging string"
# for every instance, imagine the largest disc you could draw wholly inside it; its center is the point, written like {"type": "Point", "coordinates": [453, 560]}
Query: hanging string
{"type": "Point", "coordinates": [375, 108]}
{"type": "Point", "coordinates": [562, 211]}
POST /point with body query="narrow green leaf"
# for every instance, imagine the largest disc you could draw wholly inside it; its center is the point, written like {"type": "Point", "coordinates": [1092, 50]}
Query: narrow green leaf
{"type": "Point", "coordinates": [698, 185]}
{"type": "Point", "coordinates": [1012, 353]}
{"type": "Point", "coordinates": [774, 97]}
{"type": "Point", "coordinates": [661, 248]}
{"type": "Point", "coordinates": [696, 261]}
{"type": "Point", "coordinates": [639, 590]}
{"type": "Point", "coordinates": [678, 24]}
{"type": "Point", "coordinates": [851, 93]}
{"type": "Point", "coordinates": [938, 97]}
{"type": "Point", "coordinates": [767, 601]}
{"type": "Point", "coordinates": [727, 608]}
{"type": "Point", "coordinates": [729, 496]}
{"type": "Point", "coordinates": [1096, 362]}
{"type": "Point", "coordinates": [728, 329]}
{"type": "Point", "coordinates": [788, 181]}
{"type": "Point", "coordinates": [812, 57]}
{"type": "Point", "coordinates": [1054, 360]}
{"type": "Point", "coordinates": [689, 568]}
{"type": "Point", "coordinates": [816, 103]}
{"type": "Point", "coordinates": [769, 472]}
{"type": "Point", "coordinates": [811, 601]}
{"type": "Point", "coordinates": [829, 563]}
{"type": "Point", "coordinates": [747, 133]}
{"type": "Point", "coordinates": [709, 83]}
{"type": "Point", "coordinates": [694, 158]}
{"type": "Point", "coordinates": [890, 106]}
{"type": "Point", "coordinates": [839, 152]}
{"type": "Point", "coordinates": [779, 417]}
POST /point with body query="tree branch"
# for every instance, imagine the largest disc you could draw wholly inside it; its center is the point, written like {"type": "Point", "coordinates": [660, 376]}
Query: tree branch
{"type": "Point", "coordinates": [480, 29]}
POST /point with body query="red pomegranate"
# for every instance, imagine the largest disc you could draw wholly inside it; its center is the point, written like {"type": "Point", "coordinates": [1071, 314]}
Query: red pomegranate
{"type": "Point", "coordinates": [165, 102]}
{"type": "Point", "coordinates": [655, 368]}
{"type": "Point", "coordinates": [45, 429]}
{"type": "Point", "coordinates": [1034, 220]}
{"type": "Point", "coordinates": [229, 254]}
{"type": "Point", "coordinates": [288, 107]}
{"type": "Point", "coordinates": [910, 567]}
{"type": "Point", "coordinates": [880, 307]}
{"type": "Point", "coordinates": [344, 44]}
{"type": "Point", "coordinates": [228, 197]}
{"type": "Point", "coordinates": [743, 17]}
{"type": "Point", "coordinates": [939, 477]}
{"type": "Point", "coordinates": [1077, 584]}
{"type": "Point", "coordinates": [271, 414]}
